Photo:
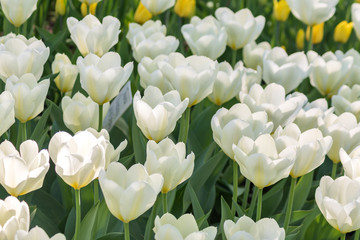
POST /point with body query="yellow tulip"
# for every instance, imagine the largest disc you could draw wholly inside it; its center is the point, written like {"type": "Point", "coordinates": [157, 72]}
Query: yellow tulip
{"type": "Point", "coordinates": [281, 10]}
{"type": "Point", "coordinates": [343, 31]}
{"type": "Point", "coordinates": [357, 1]}
{"type": "Point", "coordinates": [84, 8]}
{"type": "Point", "coordinates": [60, 7]}
{"type": "Point", "coordinates": [142, 14]}
{"type": "Point", "coordinates": [300, 37]}
{"type": "Point", "coordinates": [317, 34]}
{"type": "Point", "coordinates": [185, 8]}
{"type": "Point", "coordinates": [93, 8]}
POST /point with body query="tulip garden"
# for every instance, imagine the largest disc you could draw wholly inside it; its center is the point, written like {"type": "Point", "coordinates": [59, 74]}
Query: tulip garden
{"type": "Point", "coordinates": [179, 119]}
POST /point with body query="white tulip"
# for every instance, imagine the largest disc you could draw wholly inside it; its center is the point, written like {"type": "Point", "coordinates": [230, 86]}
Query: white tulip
{"type": "Point", "coordinates": [313, 12]}
{"type": "Point", "coordinates": [156, 114]}
{"type": "Point", "coordinates": [29, 95]}
{"type": "Point", "coordinates": [129, 193]}
{"type": "Point", "coordinates": [102, 78]}
{"type": "Point", "coordinates": [347, 100]}
{"type": "Point", "coordinates": [7, 112]}
{"type": "Point", "coordinates": [168, 159]}
{"type": "Point", "coordinates": [351, 162]}
{"type": "Point", "coordinates": [155, 7]}
{"type": "Point", "coordinates": [355, 16]}
{"type": "Point", "coordinates": [67, 72]}
{"type": "Point", "coordinates": [249, 77]}
{"type": "Point", "coordinates": [92, 36]}
{"type": "Point", "coordinates": [205, 37]}
{"type": "Point", "coordinates": [19, 55]}
{"type": "Point", "coordinates": [242, 27]}
{"type": "Point", "coordinates": [37, 233]}
{"type": "Point", "coordinates": [354, 72]}
{"type": "Point", "coordinates": [18, 11]}
{"type": "Point", "coordinates": [253, 54]}
{"type": "Point", "coordinates": [286, 70]}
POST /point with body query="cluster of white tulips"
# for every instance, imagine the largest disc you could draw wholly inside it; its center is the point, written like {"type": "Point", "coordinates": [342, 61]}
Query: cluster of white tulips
{"type": "Point", "coordinates": [272, 133]}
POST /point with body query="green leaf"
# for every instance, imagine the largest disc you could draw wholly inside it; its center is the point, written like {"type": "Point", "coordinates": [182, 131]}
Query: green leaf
{"type": "Point", "coordinates": [39, 131]}
{"type": "Point", "coordinates": [149, 234]}
{"type": "Point", "coordinates": [302, 190]}
{"type": "Point", "coordinates": [138, 142]}
{"type": "Point", "coordinates": [225, 215]}
{"type": "Point", "coordinates": [112, 236]}
{"type": "Point", "coordinates": [87, 229]}
{"type": "Point", "coordinates": [196, 207]}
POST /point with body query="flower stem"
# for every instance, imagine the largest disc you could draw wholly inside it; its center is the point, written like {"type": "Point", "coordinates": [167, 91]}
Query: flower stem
{"type": "Point", "coordinates": [96, 191]}
{"type": "Point", "coordinates": [78, 214]}
{"type": "Point", "coordinates": [259, 205]}
{"type": "Point", "coordinates": [100, 117]}
{"type": "Point", "coordinates": [164, 201]}
{"type": "Point", "coordinates": [184, 126]}
{"type": "Point", "coordinates": [343, 236]}
{"type": "Point", "coordinates": [235, 187]}
{"type": "Point", "coordinates": [233, 58]}
{"type": "Point", "coordinates": [127, 231]}
{"type": "Point", "coordinates": [253, 201]}
{"type": "Point", "coordinates": [310, 46]}
{"type": "Point", "coordinates": [290, 203]}
{"type": "Point", "coordinates": [277, 33]}
{"type": "Point", "coordinates": [357, 235]}
{"type": "Point", "coordinates": [246, 193]}
{"type": "Point", "coordinates": [21, 134]}
{"type": "Point", "coordinates": [333, 171]}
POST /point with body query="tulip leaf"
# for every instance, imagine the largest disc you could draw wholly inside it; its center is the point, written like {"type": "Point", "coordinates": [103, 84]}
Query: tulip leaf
{"type": "Point", "coordinates": [42, 220]}
{"type": "Point", "coordinates": [239, 210]}
{"type": "Point", "coordinates": [302, 190]}
{"type": "Point", "coordinates": [56, 116]}
{"type": "Point", "coordinates": [41, 128]}
{"type": "Point", "coordinates": [112, 236]}
{"type": "Point", "coordinates": [87, 229]}
{"type": "Point", "coordinates": [196, 207]}
{"type": "Point", "coordinates": [138, 142]}
{"type": "Point", "coordinates": [272, 198]}
{"type": "Point", "coordinates": [149, 234]}
{"type": "Point", "coordinates": [225, 215]}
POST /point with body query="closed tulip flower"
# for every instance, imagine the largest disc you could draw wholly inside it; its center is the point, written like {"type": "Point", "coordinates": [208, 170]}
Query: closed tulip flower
{"type": "Point", "coordinates": [193, 77]}
{"type": "Point", "coordinates": [286, 70]}
{"type": "Point", "coordinates": [281, 10]}
{"type": "Point", "coordinates": [102, 78]}
{"type": "Point", "coordinates": [205, 37]}
{"type": "Point", "coordinates": [29, 95]}
{"type": "Point", "coordinates": [60, 7]}
{"type": "Point", "coordinates": [343, 31]}
{"type": "Point", "coordinates": [261, 161]}
{"type": "Point", "coordinates": [19, 55]}
{"type": "Point", "coordinates": [129, 193]}
{"type": "Point", "coordinates": [92, 36]}
{"type": "Point", "coordinates": [249, 77]}
{"type": "Point", "coordinates": [78, 159]}
{"type": "Point", "coordinates": [37, 233]}
{"type": "Point", "coordinates": [185, 8]}
{"type": "Point", "coordinates": [246, 228]}
{"type": "Point", "coordinates": [355, 15]}
{"type": "Point", "coordinates": [22, 172]}
{"type": "Point", "coordinates": [227, 83]}
{"type": "Point", "coordinates": [183, 228]}
{"type": "Point", "coordinates": [242, 27]}
{"type": "Point", "coordinates": [354, 72]}
{"type": "Point", "coordinates": [15, 215]}
{"type": "Point", "coordinates": [158, 6]}
{"type": "Point", "coordinates": [142, 14]}
{"type": "Point", "coordinates": [313, 12]}
{"type": "Point", "coordinates": [281, 109]}
{"type": "Point", "coordinates": [317, 35]}
{"type": "Point", "coordinates": [253, 54]}
{"type": "Point", "coordinates": [351, 162]}
{"type": "Point", "coordinates": [300, 39]}
{"type": "Point", "coordinates": [347, 100]}
{"type": "Point", "coordinates": [150, 40]}
{"type": "Point", "coordinates": [67, 72]}
{"type": "Point", "coordinates": [168, 159]}
{"type": "Point", "coordinates": [339, 202]}
{"type": "Point", "coordinates": [156, 114]}
{"type": "Point", "coordinates": [18, 11]}
{"type": "Point", "coordinates": [229, 126]}
{"type": "Point", "coordinates": [80, 112]}
{"type": "Point", "coordinates": [7, 112]}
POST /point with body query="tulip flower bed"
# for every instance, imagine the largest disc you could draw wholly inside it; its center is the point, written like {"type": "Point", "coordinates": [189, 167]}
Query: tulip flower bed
{"type": "Point", "coordinates": [179, 119]}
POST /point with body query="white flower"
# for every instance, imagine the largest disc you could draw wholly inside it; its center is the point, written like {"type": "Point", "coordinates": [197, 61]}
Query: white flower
{"type": "Point", "coordinates": [354, 72]}
{"type": "Point", "coordinates": [37, 233]}
{"type": "Point", "coordinates": [355, 16]}
{"type": "Point", "coordinates": [67, 72]}
{"type": "Point", "coordinates": [347, 100]}
{"type": "Point", "coordinates": [158, 6]}
{"type": "Point", "coordinates": [249, 77]}
{"type": "Point", "coordinates": [253, 54]}
{"type": "Point", "coordinates": [7, 112]}
{"type": "Point", "coordinates": [18, 11]}
{"type": "Point", "coordinates": [351, 162]}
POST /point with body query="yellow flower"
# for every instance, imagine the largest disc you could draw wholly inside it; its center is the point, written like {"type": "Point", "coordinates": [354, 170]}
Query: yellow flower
{"type": "Point", "coordinates": [84, 8]}
{"type": "Point", "coordinates": [93, 8]}
{"type": "Point", "coordinates": [142, 14]}
{"type": "Point", "coordinates": [60, 7]}
{"type": "Point", "coordinates": [185, 8]}
{"type": "Point", "coordinates": [317, 34]}
{"type": "Point", "coordinates": [343, 31]}
{"type": "Point", "coordinates": [281, 10]}
{"type": "Point", "coordinates": [300, 37]}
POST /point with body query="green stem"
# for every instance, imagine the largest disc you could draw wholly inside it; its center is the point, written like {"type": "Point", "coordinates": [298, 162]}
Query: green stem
{"type": "Point", "coordinates": [96, 191]}
{"type": "Point", "coordinates": [233, 58]}
{"type": "Point", "coordinates": [246, 193]}
{"type": "Point", "coordinates": [21, 134]}
{"type": "Point", "coordinates": [100, 117]}
{"type": "Point", "coordinates": [235, 187]}
{"type": "Point", "coordinates": [310, 45]}
{"type": "Point", "coordinates": [343, 236]}
{"type": "Point", "coordinates": [127, 231]}
{"type": "Point", "coordinates": [78, 214]}
{"type": "Point", "coordinates": [333, 171]}
{"type": "Point", "coordinates": [164, 201]}
{"type": "Point", "coordinates": [184, 126]}
{"type": "Point", "coordinates": [290, 203]}
{"type": "Point", "coordinates": [277, 33]}
{"type": "Point", "coordinates": [242, 4]}
{"type": "Point", "coordinates": [259, 205]}
{"type": "Point", "coordinates": [253, 201]}
{"type": "Point", "coordinates": [357, 235]}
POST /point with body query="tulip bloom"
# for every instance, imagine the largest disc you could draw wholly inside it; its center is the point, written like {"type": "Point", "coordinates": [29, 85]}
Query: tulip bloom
{"type": "Point", "coordinates": [7, 112]}
{"type": "Point", "coordinates": [347, 100]}
{"type": "Point", "coordinates": [156, 7]}
{"type": "Point", "coordinates": [253, 54]}
{"type": "Point", "coordinates": [354, 72]}
{"type": "Point", "coordinates": [37, 233]}
{"type": "Point", "coordinates": [300, 38]}
{"type": "Point", "coordinates": [317, 35]}
{"type": "Point", "coordinates": [281, 10]}
{"type": "Point", "coordinates": [351, 162]}
{"type": "Point", "coordinates": [142, 14]}
{"type": "Point", "coordinates": [67, 72]}
{"type": "Point", "coordinates": [18, 11]}
{"type": "Point", "coordinates": [185, 8]}
{"type": "Point", "coordinates": [343, 31]}
{"type": "Point", "coordinates": [60, 7]}
{"type": "Point", "coordinates": [355, 15]}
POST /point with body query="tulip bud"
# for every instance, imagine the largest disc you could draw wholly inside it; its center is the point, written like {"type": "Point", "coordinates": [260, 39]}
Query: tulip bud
{"type": "Point", "coordinates": [84, 9]}
{"type": "Point", "coordinates": [67, 72]}
{"type": "Point", "coordinates": [185, 8]}
{"type": "Point", "coordinates": [317, 34]}
{"type": "Point", "coordinates": [142, 14]}
{"type": "Point", "coordinates": [17, 12]}
{"type": "Point", "coordinates": [60, 7]}
{"type": "Point", "coordinates": [281, 10]}
{"type": "Point", "coordinates": [300, 38]}
{"type": "Point", "coordinates": [93, 8]}
{"type": "Point", "coordinates": [343, 31]}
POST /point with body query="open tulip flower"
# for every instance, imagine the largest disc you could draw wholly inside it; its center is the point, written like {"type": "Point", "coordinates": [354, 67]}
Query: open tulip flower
{"type": "Point", "coordinates": [205, 37]}
{"type": "Point", "coordinates": [347, 100]}
{"type": "Point", "coordinates": [355, 14]}
{"type": "Point", "coordinates": [22, 172]}
{"type": "Point", "coordinates": [19, 55]}
{"type": "Point", "coordinates": [14, 216]}
{"type": "Point", "coordinates": [102, 78]}
{"type": "Point", "coordinates": [253, 54]}
{"type": "Point", "coordinates": [37, 233]}
{"type": "Point", "coordinates": [246, 228]}
{"type": "Point", "coordinates": [354, 72]}
{"type": "Point", "coordinates": [242, 27]}
{"type": "Point", "coordinates": [7, 112]}
{"type": "Point", "coordinates": [168, 159]}
{"type": "Point", "coordinates": [67, 72]}
{"type": "Point", "coordinates": [158, 6]}
{"type": "Point", "coordinates": [129, 193]}
{"type": "Point", "coordinates": [249, 77]}
{"type": "Point", "coordinates": [351, 162]}
{"type": "Point", "coordinates": [183, 228]}
{"type": "Point", "coordinates": [18, 11]}
{"type": "Point", "coordinates": [339, 202]}
{"type": "Point", "coordinates": [92, 36]}
{"type": "Point", "coordinates": [313, 12]}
